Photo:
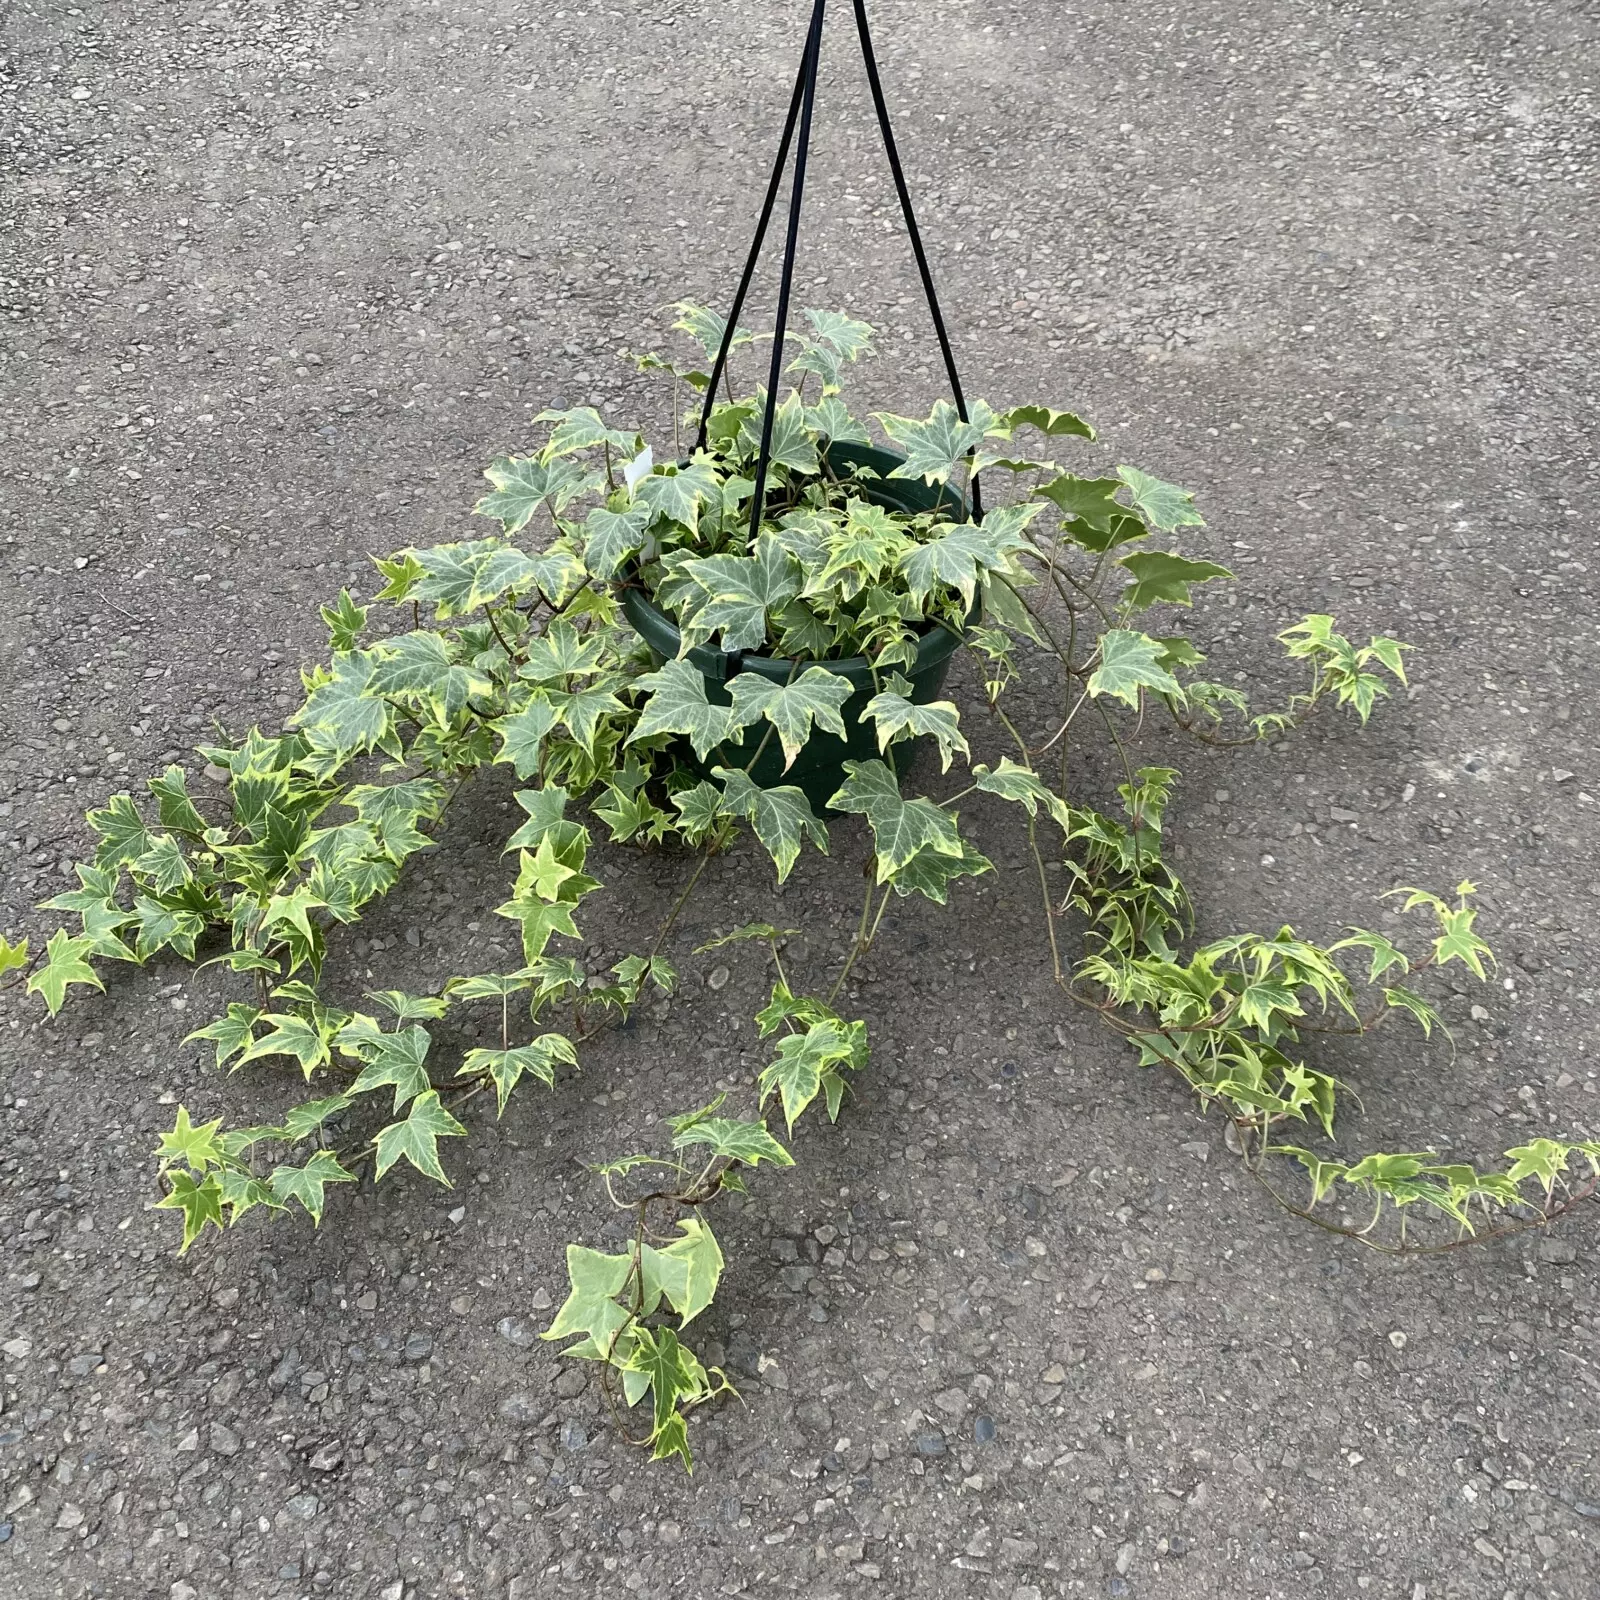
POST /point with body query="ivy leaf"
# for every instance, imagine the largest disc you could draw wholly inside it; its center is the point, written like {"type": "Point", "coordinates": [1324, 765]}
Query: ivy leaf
{"type": "Point", "coordinates": [408, 1007]}
{"type": "Point", "coordinates": [419, 663]}
{"type": "Point", "coordinates": [1129, 663]}
{"type": "Point", "coordinates": [782, 817]}
{"type": "Point", "coordinates": [677, 492]}
{"type": "Point", "coordinates": [177, 810]}
{"type": "Point", "coordinates": [542, 871]}
{"type": "Point", "coordinates": [304, 1041]}
{"type": "Point", "coordinates": [12, 956]}
{"type": "Point", "coordinates": [123, 835]}
{"type": "Point", "coordinates": [64, 965]}
{"type": "Point", "coordinates": [829, 418]}
{"type": "Point", "coordinates": [689, 1268]}
{"type": "Point", "coordinates": [1053, 424]}
{"type": "Point", "coordinates": [306, 1184]}
{"type": "Point", "coordinates": [523, 483]}
{"type": "Point", "coordinates": [345, 620]}
{"type": "Point", "coordinates": [539, 923]}
{"type": "Point", "coordinates": [591, 1308]}
{"type": "Point", "coordinates": [1093, 516]}
{"type": "Point", "coordinates": [582, 428]}
{"type": "Point", "coordinates": [740, 591]}
{"type": "Point", "coordinates": [546, 808]}
{"type": "Point", "coordinates": [931, 871]}
{"type": "Point", "coordinates": [231, 1033]}
{"type": "Point", "coordinates": [417, 1138]}
{"type": "Point", "coordinates": [612, 537]}
{"type": "Point", "coordinates": [816, 695]}
{"type": "Point", "coordinates": [200, 1203]}
{"type": "Point", "coordinates": [749, 930]}
{"type": "Point", "coordinates": [897, 718]}
{"type": "Point", "coordinates": [506, 1067]}
{"type": "Point", "coordinates": [343, 716]}
{"type": "Point", "coordinates": [803, 1058]}
{"type": "Point", "coordinates": [1263, 1000]}
{"type": "Point", "coordinates": [933, 447]}
{"type": "Point", "coordinates": [562, 652]}
{"type": "Point", "coordinates": [961, 549]}
{"type": "Point", "coordinates": [196, 1147]}
{"type": "Point", "coordinates": [1165, 506]}
{"type": "Point", "coordinates": [301, 1121]}
{"type": "Point", "coordinates": [699, 809]}
{"type": "Point", "coordinates": [708, 329]}
{"type": "Point", "coordinates": [678, 704]}
{"type": "Point", "coordinates": [1160, 576]}
{"type": "Point", "coordinates": [747, 1142]}
{"type": "Point", "coordinates": [397, 1061]}
{"type": "Point", "coordinates": [583, 711]}
{"type": "Point", "coordinates": [792, 446]}
{"type": "Point", "coordinates": [1024, 787]}
{"type": "Point", "coordinates": [1403, 999]}
{"type": "Point", "coordinates": [900, 827]}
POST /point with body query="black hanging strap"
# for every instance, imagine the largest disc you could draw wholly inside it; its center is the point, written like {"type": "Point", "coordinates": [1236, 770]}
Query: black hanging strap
{"type": "Point", "coordinates": [801, 107]}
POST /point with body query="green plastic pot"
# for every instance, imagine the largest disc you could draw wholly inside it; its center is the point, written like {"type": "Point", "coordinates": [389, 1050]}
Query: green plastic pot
{"type": "Point", "coordinates": [818, 769]}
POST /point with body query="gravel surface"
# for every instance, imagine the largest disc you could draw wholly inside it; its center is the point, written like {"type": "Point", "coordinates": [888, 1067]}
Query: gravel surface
{"type": "Point", "coordinates": [279, 276]}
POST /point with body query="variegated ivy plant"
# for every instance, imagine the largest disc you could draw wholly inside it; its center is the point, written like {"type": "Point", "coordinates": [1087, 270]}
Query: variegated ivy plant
{"type": "Point", "coordinates": [512, 649]}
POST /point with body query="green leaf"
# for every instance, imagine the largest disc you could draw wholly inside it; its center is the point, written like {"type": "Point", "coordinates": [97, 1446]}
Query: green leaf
{"type": "Point", "coordinates": [961, 549]}
{"type": "Point", "coordinates": [64, 965]}
{"type": "Point", "coordinates": [816, 695]}
{"type": "Point", "coordinates": [1129, 663]}
{"type": "Point", "coordinates": [613, 536]}
{"type": "Point", "coordinates": [345, 620]}
{"type": "Point", "coordinates": [697, 1262]}
{"type": "Point", "coordinates": [591, 1308]}
{"type": "Point", "coordinates": [396, 1061]}
{"type": "Point", "coordinates": [1403, 999]}
{"type": "Point", "coordinates": [584, 711]}
{"type": "Point", "coordinates": [231, 1033]}
{"type": "Point", "coordinates": [582, 428]}
{"type": "Point", "coordinates": [408, 1007]}
{"type": "Point", "coordinates": [306, 1042]}
{"type": "Point", "coordinates": [900, 827]}
{"type": "Point", "coordinates": [931, 871]}
{"type": "Point", "coordinates": [1053, 424]}
{"type": "Point", "coordinates": [177, 810]}
{"type": "Point", "coordinates": [306, 1184]}
{"type": "Point", "coordinates": [12, 956]}
{"type": "Point", "coordinates": [523, 483]}
{"type": "Point", "coordinates": [400, 573]}
{"type": "Point", "coordinates": [1161, 577]}
{"type": "Point", "coordinates": [123, 835]}
{"type": "Point", "coordinates": [1093, 517]}
{"type": "Point", "coordinates": [792, 446]}
{"type": "Point", "coordinates": [677, 493]}
{"type": "Point", "coordinates": [539, 923]}
{"type": "Point", "coordinates": [419, 664]}
{"type": "Point", "coordinates": [933, 447]}
{"type": "Point", "coordinates": [782, 817]}
{"type": "Point", "coordinates": [343, 715]}
{"type": "Point", "coordinates": [708, 329]}
{"type": "Point", "coordinates": [417, 1138]}
{"type": "Point", "coordinates": [196, 1147]}
{"type": "Point", "coordinates": [803, 1058]}
{"type": "Point", "coordinates": [898, 718]}
{"type": "Point", "coordinates": [678, 704]}
{"type": "Point", "coordinates": [200, 1203]}
{"type": "Point", "coordinates": [1024, 787]}
{"type": "Point", "coordinates": [746, 1142]}
{"type": "Point", "coordinates": [1163, 505]}
{"type": "Point", "coordinates": [740, 591]}
{"type": "Point", "coordinates": [506, 1067]}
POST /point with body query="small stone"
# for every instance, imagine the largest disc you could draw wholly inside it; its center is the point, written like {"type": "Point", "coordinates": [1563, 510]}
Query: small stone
{"type": "Point", "coordinates": [540, 1300]}
{"type": "Point", "coordinates": [1055, 1374]}
{"type": "Point", "coordinates": [224, 1440]}
{"type": "Point", "coordinates": [1561, 775]}
{"type": "Point", "coordinates": [182, 1591]}
{"type": "Point", "coordinates": [327, 1457]}
{"type": "Point", "coordinates": [1397, 1339]}
{"type": "Point", "coordinates": [217, 774]}
{"type": "Point", "coordinates": [718, 978]}
{"type": "Point", "coordinates": [983, 1430]}
{"type": "Point", "coordinates": [519, 1408]}
{"type": "Point", "coordinates": [71, 1516]}
{"type": "Point", "coordinates": [367, 1301]}
{"type": "Point", "coordinates": [303, 1507]}
{"type": "Point", "coordinates": [951, 1401]}
{"type": "Point", "coordinates": [1559, 1252]}
{"type": "Point", "coordinates": [516, 1331]}
{"type": "Point", "coordinates": [419, 1347]}
{"type": "Point", "coordinates": [931, 1446]}
{"type": "Point", "coordinates": [573, 1436]}
{"type": "Point", "coordinates": [1340, 815]}
{"type": "Point", "coordinates": [80, 93]}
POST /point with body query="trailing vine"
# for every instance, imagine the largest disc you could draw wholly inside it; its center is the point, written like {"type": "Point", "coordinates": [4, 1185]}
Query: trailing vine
{"type": "Point", "coordinates": [801, 666]}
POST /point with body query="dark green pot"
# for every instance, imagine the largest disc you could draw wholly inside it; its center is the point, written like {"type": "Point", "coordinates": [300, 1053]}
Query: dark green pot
{"type": "Point", "coordinates": [818, 770]}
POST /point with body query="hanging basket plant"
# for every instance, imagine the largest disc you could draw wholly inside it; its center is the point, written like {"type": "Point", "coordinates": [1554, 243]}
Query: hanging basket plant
{"type": "Point", "coordinates": [753, 635]}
